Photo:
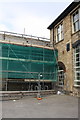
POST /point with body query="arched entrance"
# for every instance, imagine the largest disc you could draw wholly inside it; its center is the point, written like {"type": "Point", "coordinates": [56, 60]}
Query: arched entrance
{"type": "Point", "coordinates": [61, 74]}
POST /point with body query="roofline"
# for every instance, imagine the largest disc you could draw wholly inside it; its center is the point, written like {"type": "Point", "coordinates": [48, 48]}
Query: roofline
{"type": "Point", "coordinates": [25, 36]}
{"type": "Point", "coordinates": [63, 14]}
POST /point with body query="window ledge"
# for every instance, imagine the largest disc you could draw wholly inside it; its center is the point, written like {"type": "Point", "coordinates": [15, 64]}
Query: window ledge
{"type": "Point", "coordinates": [59, 41]}
{"type": "Point", "coordinates": [76, 86]}
{"type": "Point", "coordinates": [75, 33]}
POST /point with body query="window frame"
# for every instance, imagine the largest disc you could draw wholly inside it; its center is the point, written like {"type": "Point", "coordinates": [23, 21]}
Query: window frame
{"type": "Point", "coordinates": [76, 21]}
{"type": "Point", "coordinates": [59, 33]}
{"type": "Point", "coordinates": [76, 68]}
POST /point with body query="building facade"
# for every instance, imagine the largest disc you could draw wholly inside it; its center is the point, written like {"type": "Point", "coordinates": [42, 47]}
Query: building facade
{"type": "Point", "coordinates": [65, 37]}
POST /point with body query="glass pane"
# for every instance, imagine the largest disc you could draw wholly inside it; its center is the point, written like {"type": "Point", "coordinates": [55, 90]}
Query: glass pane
{"type": "Point", "coordinates": [78, 74]}
{"type": "Point", "coordinates": [77, 69]}
{"type": "Point", "coordinates": [58, 37]}
{"type": "Point", "coordinates": [77, 55]}
{"type": "Point", "coordinates": [77, 25]}
{"type": "Point", "coordinates": [62, 36]}
{"type": "Point", "coordinates": [78, 83]}
{"type": "Point", "coordinates": [77, 50]}
{"type": "Point", "coordinates": [78, 64]}
{"type": "Point", "coordinates": [77, 59]}
{"type": "Point", "coordinates": [75, 16]}
{"type": "Point", "coordinates": [59, 29]}
{"type": "Point", "coordinates": [60, 32]}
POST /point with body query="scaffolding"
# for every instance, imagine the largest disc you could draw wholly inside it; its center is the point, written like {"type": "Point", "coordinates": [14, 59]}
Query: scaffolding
{"type": "Point", "coordinates": [27, 62]}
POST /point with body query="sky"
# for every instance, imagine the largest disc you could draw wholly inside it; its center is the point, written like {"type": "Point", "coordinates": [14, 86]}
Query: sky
{"type": "Point", "coordinates": [32, 16]}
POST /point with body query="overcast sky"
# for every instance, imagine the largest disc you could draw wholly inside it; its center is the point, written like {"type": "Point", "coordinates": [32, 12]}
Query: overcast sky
{"type": "Point", "coordinates": [34, 16]}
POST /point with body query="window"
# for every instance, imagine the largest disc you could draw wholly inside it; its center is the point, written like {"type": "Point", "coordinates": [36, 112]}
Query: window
{"type": "Point", "coordinates": [60, 78]}
{"type": "Point", "coordinates": [76, 21]}
{"type": "Point", "coordinates": [61, 74]}
{"type": "Point", "coordinates": [68, 47]}
{"type": "Point", "coordinates": [77, 66]}
{"type": "Point", "coordinates": [59, 35]}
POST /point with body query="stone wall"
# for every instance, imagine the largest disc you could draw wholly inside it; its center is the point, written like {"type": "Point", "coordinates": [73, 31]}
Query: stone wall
{"type": "Point", "coordinates": [27, 40]}
{"type": "Point", "coordinates": [63, 56]}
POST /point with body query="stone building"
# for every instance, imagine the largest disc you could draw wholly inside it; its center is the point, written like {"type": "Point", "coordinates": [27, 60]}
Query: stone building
{"type": "Point", "coordinates": [65, 37]}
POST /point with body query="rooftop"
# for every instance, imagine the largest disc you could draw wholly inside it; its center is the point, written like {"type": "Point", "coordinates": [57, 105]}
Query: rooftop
{"type": "Point", "coordinates": [64, 14]}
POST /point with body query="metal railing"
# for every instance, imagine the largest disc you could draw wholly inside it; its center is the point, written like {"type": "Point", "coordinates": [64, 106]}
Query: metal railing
{"type": "Point", "coordinates": [24, 35]}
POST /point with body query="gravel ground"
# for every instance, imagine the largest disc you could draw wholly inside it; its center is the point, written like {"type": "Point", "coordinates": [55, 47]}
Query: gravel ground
{"type": "Point", "coordinates": [53, 106]}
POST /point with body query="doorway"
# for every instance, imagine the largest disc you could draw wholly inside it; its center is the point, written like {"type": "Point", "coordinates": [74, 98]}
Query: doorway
{"type": "Point", "coordinates": [61, 74]}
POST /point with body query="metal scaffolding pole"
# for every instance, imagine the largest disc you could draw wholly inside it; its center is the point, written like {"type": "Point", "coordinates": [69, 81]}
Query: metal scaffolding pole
{"type": "Point", "coordinates": [39, 86]}
{"type": "Point", "coordinates": [43, 68]}
{"type": "Point", "coordinates": [7, 71]}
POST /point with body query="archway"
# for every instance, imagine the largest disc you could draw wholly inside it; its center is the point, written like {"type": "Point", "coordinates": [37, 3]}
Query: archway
{"type": "Point", "coordinates": [61, 74]}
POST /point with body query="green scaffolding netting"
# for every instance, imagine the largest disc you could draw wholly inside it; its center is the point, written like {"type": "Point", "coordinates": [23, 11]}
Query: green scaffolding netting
{"type": "Point", "coordinates": [28, 62]}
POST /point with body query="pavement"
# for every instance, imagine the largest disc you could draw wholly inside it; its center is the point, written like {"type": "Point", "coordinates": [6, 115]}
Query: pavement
{"type": "Point", "coordinates": [52, 106]}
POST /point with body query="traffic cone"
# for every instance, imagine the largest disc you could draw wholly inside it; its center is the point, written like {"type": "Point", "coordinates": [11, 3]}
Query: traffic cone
{"type": "Point", "coordinates": [39, 96]}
